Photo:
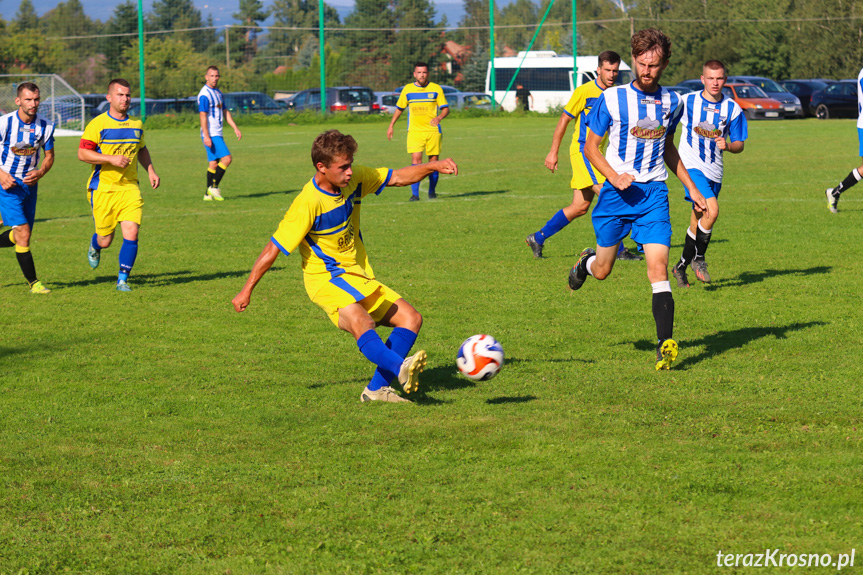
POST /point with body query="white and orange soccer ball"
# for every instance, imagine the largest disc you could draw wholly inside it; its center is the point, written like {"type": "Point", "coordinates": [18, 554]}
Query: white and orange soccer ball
{"type": "Point", "coordinates": [480, 357]}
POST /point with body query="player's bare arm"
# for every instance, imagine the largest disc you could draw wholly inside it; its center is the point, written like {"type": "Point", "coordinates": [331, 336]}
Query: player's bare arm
{"type": "Point", "coordinates": [230, 120]}
{"type": "Point", "coordinates": [725, 145]}
{"type": "Point", "coordinates": [205, 130]}
{"type": "Point", "coordinates": [6, 180]}
{"type": "Point", "coordinates": [437, 119]}
{"type": "Point", "coordinates": [672, 160]}
{"type": "Point", "coordinates": [413, 174]}
{"type": "Point", "coordinates": [37, 175]}
{"type": "Point", "coordinates": [598, 161]}
{"type": "Point", "coordinates": [396, 115]}
{"type": "Point", "coordinates": [147, 163]}
{"type": "Point", "coordinates": [91, 156]}
{"type": "Point", "coordinates": [262, 265]}
{"type": "Point", "coordinates": [556, 139]}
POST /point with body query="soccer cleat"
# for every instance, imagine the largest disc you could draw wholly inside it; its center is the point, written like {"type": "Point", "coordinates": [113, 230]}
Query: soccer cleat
{"type": "Point", "coordinates": [123, 286]}
{"type": "Point", "coordinates": [700, 269]}
{"type": "Point", "coordinates": [410, 371]}
{"type": "Point", "coordinates": [432, 196]}
{"type": "Point", "coordinates": [680, 276]}
{"type": "Point", "coordinates": [385, 394]}
{"type": "Point", "coordinates": [93, 257]}
{"type": "Point", "coordinates": [666, 353]}
{"type": "Point", "coordinates": [216, 194]}
{"type": "Point", "coordinates": [414, 199]}
{"type": "Point", "coordinates": [208, 197]}
{"type": "Point", "coordinates": [578, 273]}
{"type": "Point", "coordinates": [37, 287]}
{"type": "Point", "coordinates": [832, 200]}
{"type": "Point", "coordinates": [535, 246]}
{"type": "Point", "coordinates": [629, 256]}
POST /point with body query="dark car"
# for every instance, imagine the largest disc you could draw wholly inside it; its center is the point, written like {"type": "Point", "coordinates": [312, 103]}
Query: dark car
{"type": "Point", "coordinates": [464, 100]}
{"type": "Point", "coordinates": [354, 99]}
{"type": "Point", "coordinates": [251, 103]}
{"type": "Point", "coordinates": [681, 90]}
{"type": "Point", "coordinates": [790, 102]}
{"type": "Point", "coordinates": [804, 89]}
{"type": "Point", "coordinates": [838, 100]}
{"type": "Point", "coordinates": [693, 85]}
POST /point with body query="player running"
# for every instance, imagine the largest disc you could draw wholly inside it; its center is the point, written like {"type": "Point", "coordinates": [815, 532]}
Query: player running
{"type": "Point", "coordinates": [323, 223]}
{"type": "Point", "coordinates": [114, 144]}
{"type": "Point", "coordinates": [857, 173]}
{"type": "Point", "coordinates": [712, 123]}
{"type": "Point", "coordinates": [640, 119]}
{"type": "Point", "coordinates": [586, 181]}
{"type": "Point", "coordinates": [427, 107]}
{"type": "Point", "coordinates": [22, 133]}
{"type": "Point", "coordinates": [213, 114]}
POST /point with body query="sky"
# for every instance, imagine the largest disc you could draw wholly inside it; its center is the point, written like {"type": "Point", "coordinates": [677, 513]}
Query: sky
{"type": "Point", "coordinates": [221, 10]}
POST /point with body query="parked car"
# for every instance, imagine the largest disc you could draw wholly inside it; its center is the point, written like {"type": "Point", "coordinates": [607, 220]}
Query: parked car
{"type": "Point", "coordinates": [838, 100]}
{"type": "Point", "coordinates": [790, 102]}
{"type": "Point", "coordinates": [754, 102]}
{"type": "Point", "coordinates": [681, 90]}
{"type": "Point", "coordinates": [694, 85]}
{"type": "Point", "coordinates": [804, 89]}
{"type": "Point", "coordinates": [251, 103]}
{"type": "Point", "coordinates": [463, 100]}
{"type": "Point", "coordinates": [62, 109]}
{"type": "Point", "coordinates": [386, 101]}
{"type": "Point", "coordinates": [354, 99]}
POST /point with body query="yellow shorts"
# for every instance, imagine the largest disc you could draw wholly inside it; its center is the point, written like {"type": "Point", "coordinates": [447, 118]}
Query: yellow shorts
{"type": "Point", "coordinates": [584, 175]}
{"type": "Point", "coordinates": [346, 289]}
{"type": "Point", "coordinates": [428, 142]}
{"type": "Point", "coordinates": [111, 208]}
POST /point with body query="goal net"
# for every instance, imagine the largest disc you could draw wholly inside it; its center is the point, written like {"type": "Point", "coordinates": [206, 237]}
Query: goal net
{"type": "Point", "coordinates": [60, 102]}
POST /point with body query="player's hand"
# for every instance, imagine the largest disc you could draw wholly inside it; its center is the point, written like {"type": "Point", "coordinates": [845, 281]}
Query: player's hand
{"type": "Point", "coordinates": [6, 181]}
{"type": "Point", "coordinates": [33, 177]}
{"type": "Point", "coordinates": [447, 167]}
{"type": "Point", "coordinates": [721, 143]}
{"type": "Point", "coordinates": [154, 178]}
{"type": "Point", "coordinates": [551, 162]}
{"type": "Point", "coordinates": [121, 162]}
{"type": "Point", "coordinates": [208, 142]}
{"type": "Point", "coordinates": [390, 133]}
{"type": "Point", "coordinates": [699, 201]}
{"type": "Point", "coordinates": [241, 302]}
{"type": "Point", "coordinates": [623, 181]}
{"type": "Point", "coordinates": [434, 121]}
{"type": "Point", "coordinates": [238, 133]}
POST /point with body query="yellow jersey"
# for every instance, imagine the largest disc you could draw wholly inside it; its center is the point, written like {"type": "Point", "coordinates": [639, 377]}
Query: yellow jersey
{"type": "Point", "coordinates": [326, 228]}
{"type": "Point", "coordinates": [579, 106]}
{"type": "Point", "coordinates": [422, 105]}
{"type": "Point", "coordinates": [108, 135]}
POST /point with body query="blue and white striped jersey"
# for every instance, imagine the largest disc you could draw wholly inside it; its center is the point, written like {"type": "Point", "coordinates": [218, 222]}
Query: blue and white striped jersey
{"type": "Point", "coordinates": [703, 121]}
{"type": "Point", "coordinates": [210, 100]}
{"type": "Point", "coordinates": [20, 143]}
{"type": "Point", "coordinates": [637, 124]}
{"type": "Point", "coordinates": [860, 99]}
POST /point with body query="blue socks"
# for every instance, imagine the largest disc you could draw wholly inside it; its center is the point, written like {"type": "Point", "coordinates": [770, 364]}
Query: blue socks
{"type": "Point", "coordinates": [415, 188]}
{"type": "Point", "coordinates": [95, 244]}
{"type": "Point", "coordinates": [401, 341]}
{"type": "Point", "coordinates": [433, 178]}
{"type": "Point", "coordinates": [557, 222]}
{"type": "Point", "coordinates": [388, 361]}
{"type": "Point", "coordinates": [128, 253]}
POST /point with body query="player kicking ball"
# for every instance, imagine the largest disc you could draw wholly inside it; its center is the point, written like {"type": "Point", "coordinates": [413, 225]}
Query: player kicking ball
{"type": "Point", "coordinates": [323, 223]}
{"type": "Point", "coordinates": [640, 119]}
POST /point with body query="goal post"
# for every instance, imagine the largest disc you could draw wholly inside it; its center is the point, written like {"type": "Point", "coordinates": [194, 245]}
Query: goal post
{"type": "Point", "coordinates": [61, 103]}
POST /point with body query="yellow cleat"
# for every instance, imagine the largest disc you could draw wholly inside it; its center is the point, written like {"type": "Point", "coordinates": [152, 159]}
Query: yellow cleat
{"type": "Point", "coordinates": [37, 287]}
{"type": "Point", "coordinates": [666, 353]}
{"type": "Point", "coordinates": [410, 372]}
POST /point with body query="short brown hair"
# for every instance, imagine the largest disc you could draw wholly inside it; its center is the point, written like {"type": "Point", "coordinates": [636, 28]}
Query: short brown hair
{"type": "Point", "coordinates": [330, 144]}
{"type": "Point", "coordinates": [29, 86]}
{"type": "Point", "coordinates": [715, 65]}
{"type": "Point", "coordinates": [216, 68]}
{"type": "Point", "coordinates": [648, 40]}
{"type": "Point", "coordinates": [609, 56]}
{"type": "Point", "coordinates": [421, 65]}
{"type": "Point", "coordinates": [120, 82]}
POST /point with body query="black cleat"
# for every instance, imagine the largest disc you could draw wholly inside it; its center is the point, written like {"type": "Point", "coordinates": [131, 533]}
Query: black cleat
{"type": "Point", "coordinates": [414, 199]}
{"type": "Point", "coordinates": [578, 273]}
{"type": "Point", "coordinates": [700, 269]}
{"type": "Point", "coordinates": [432, 196]}
{"type": "Point", "coordinates": [535, 246]}
{"type": "Point", "coordinates": [680, 276]}
{"type": "Point", "coordinates": [629, 256]}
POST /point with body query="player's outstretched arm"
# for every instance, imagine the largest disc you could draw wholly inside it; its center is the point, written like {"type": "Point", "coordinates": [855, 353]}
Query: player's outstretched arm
{"type": "Point", "coordinates": [262, 265]}
{"type": "Point", "coordinates": [413, 174]}
{"type": "Point", "coordinates": [396, 115]}
{"type": "Point", "coordinates": [147, 163]}
{"type": "Point", "coordinates": [672, 160]}
{"type": "Point", "coordinates": [556, 139]}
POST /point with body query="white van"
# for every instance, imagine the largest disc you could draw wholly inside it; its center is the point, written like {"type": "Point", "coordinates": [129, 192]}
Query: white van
{"type": "Point", "coordinates": [548, 76]}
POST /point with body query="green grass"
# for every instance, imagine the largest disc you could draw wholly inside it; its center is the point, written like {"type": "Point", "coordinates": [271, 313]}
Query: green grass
{"type": "Point", "coordinates": [160, 432]}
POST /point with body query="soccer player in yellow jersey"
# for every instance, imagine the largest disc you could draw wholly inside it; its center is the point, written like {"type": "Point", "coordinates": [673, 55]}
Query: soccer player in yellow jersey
{"type": "Point", "coordinates": [586, 181]}
{"type": "Point", "coordinates": [114, 144]}
{"type": "Point", "coordinates": [323, 223]}
{"type": "Point", "coordinates": [426, 106]}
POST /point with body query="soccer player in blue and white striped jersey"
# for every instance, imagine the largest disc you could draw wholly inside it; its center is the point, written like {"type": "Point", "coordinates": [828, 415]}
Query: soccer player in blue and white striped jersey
{"type": "Point", "coordinates": [640, 119]}
{"type": "Point", "coordinates": [857, 173]}
{"type": "Point", "coordinates": [22, 133]}
{"type": "Point", "coordinates": [213, 114]}
{"type": "Point", "coordinates": [712, 124]}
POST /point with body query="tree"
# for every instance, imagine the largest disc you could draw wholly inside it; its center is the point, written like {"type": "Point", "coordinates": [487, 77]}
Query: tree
{"type": "Point", "coordinates": [297, 14]}
{"type": "Point", "coordinates": [180, 15]}
{"type": "Point", "coordinates": [124, 21]}
{"type": "Point", "coordinates": [26, 18]}
{"type": "Point", "coordinates": [173, 69]}
{"type": "Point", "coordinates": [243, 40]}
{"type": "Point", "coordinates": [411, 46]}
{"type": "Point", "coordinates": [370, 54]}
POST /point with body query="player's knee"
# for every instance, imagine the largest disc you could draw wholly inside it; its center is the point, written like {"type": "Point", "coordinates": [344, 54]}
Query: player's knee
{"type": "Point", "coordinates": [225, 161]}
{"type": "Point", "coordinates": [414, 321]}
{"type": "Point", "coordinates": [578, 209]}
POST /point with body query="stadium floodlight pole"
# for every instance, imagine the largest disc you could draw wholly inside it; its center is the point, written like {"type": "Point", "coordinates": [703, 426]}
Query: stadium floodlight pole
{"type": "Point", "coordinates": [493, 85]}
{"type": "Point", "coordinates": [323, 64]}
{"type": "Point", "coordinates": [141, 59]}
{"type": "Point", "coordinates": [529, 46]}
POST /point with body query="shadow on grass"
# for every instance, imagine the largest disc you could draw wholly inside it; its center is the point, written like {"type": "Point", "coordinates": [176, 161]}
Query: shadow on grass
{"type": "Point", "coordinates": [477, 193]}
{"type": "Point", "coordinates": [747, 278]}
{"type": "Point", "coordinates": [44, 220]}
{"type": "Point", "coordinates": [518, 399]}
{"type": "Point", "coordinates": [712, 242]}
{"type": "Point", "coordinates": [154, 280]}
{"type": "Point", "coordinates": [723, 341]}
{"type": "Point", "coordinates": [263, 195]}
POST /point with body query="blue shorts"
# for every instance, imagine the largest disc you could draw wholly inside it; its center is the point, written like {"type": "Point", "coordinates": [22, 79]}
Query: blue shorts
{"type": "Point", "coordinates": [640, 208]}
{"type": "Point", "coordinates": [707, 187]}
{"type": "Point", "coordinates": [18, 204]}
{"type": "Point", "coordinates": [218, 150]}
{"type": "Point", "coordinates": [860, 139]}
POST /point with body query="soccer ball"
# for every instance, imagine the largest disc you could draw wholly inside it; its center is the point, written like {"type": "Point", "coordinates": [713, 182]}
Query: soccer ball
{"type": "Point", "coordinates": [480, 357]}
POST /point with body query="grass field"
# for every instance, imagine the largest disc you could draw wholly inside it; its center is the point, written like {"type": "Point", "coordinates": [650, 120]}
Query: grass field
{"type": "Point", "coordinates": [161, 432]}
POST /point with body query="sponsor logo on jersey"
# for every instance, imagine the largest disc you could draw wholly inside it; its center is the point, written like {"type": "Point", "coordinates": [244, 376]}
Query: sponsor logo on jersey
{"type": "Point", "coordinates": [23, 149]}
{"type": "Point", "coordinates": [651, 102]}
{"type": "Point", "coordinates": [711, 109]}
{"type": "Point", "coordinates": [707, 130]}
{"type": "Point", "coordinates": [647, 129]}
{"type": "Point", "coordinates": [24, 130]}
